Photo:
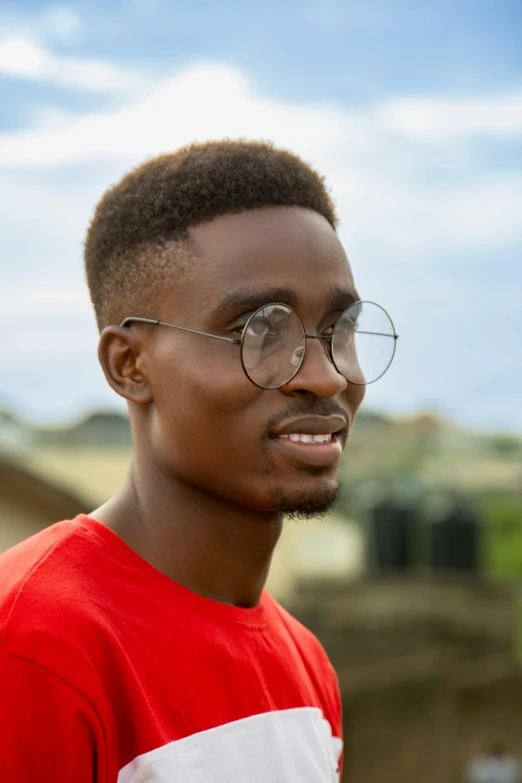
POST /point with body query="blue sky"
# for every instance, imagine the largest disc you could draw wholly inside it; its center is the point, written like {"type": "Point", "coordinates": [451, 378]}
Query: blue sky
{"type": "Point", "coordinates": [413, 111]}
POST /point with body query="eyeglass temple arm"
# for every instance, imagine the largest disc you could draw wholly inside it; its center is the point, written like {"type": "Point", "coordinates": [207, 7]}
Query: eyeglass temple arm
{"type": "Point", "coordinates": [379, 334]}
{"type": "Point", "coordinates": [181, 328]}
{"type": "Point", "coordinates": [132, 318]}
{"type": "Point", "coordinates": [359, 331]}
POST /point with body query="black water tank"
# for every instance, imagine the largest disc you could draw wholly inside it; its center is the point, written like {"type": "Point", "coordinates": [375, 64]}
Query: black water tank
{"type": "Point", "coordinates": [454, 540]}
{"type": "Point", "coordinates": [390, 534]}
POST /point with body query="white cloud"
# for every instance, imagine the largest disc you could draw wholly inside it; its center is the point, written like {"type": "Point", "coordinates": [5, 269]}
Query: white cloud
{"type": "Point", "coordinates": [377, 178]}
{"type": "Point", "coordinates": [44, 298]}
{"type": "Point", "coordinates": [205, 101]}
{"type": "Point", "coordinates": [399, 224]}
{"type": "Point", "coordinates": [440, 119]}
{"type": "Point", "coordinates": [23, 58]}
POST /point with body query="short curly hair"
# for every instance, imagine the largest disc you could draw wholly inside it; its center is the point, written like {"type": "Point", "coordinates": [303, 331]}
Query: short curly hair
{"type": "Point", "coordinates": [140, 229]}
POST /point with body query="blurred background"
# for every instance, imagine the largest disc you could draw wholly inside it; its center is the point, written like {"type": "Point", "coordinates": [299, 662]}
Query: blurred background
{"type": "Point", "coordinates": [413, 112]}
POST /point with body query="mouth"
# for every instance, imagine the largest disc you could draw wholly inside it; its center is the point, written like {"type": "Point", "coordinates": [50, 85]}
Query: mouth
{"type": "Point", "coordinates": [312, 440]}
{"type": "Point", "coordinates": [304, 437]}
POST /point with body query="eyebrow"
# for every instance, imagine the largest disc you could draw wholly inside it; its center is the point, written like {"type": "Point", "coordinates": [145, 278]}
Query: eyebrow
{"type": "Point", "coordinates": [344, 298]}
{"type": "Point", "coordinates": [247, 301]}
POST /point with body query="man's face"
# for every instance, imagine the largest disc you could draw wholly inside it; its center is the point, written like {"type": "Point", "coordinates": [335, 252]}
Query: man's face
{"type": "Point", "coordinates": [211, 427]}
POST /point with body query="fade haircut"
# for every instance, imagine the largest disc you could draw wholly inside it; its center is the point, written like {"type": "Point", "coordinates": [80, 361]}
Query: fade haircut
{"type": "Point", "coordinates": [138, 239]}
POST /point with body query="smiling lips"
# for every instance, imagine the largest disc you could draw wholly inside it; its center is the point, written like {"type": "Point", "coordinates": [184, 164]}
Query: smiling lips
{"type": "Point", "coordinates": [305, 426]}
{"type": "Point", "coordinates": [314, 440]}
{"type": "Point", "coordinates": [296, 437]}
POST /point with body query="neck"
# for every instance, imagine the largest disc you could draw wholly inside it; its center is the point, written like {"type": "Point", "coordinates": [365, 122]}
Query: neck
{"type": "Point", "coordinates": [206, 544]}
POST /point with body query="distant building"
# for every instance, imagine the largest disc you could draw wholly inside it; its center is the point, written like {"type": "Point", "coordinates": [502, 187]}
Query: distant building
{"type": "Point", "coordinates": [330, 548]}
{"type": "Point", "coordinates": [101, 429]}
{"type": "Point", "coordinates": [29, 503]}
{"type": "Point", "coordinates": [14, 434]}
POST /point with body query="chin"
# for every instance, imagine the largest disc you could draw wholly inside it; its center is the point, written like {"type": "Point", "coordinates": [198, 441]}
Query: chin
{"type": "Point", "coordinates": [305, 503]}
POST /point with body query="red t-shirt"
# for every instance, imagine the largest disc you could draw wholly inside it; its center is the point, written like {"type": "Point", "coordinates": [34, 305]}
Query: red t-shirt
{"type": "Point", "coordinates": [111, 672]}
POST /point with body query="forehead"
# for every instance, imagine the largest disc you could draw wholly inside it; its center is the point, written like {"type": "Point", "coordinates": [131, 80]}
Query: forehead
{"type": "Point", "coordinates": [273, 248]}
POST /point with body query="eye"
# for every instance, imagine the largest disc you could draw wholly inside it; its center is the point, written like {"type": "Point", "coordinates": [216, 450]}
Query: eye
{"type": "Point", "coordinates": [259, 326]}
{"type": "Point", "coordinates": [347, 326]}
{"type": "Point", "coordinates": [240, 326]}
{"type": "Point", "coordinates": [328, 330]}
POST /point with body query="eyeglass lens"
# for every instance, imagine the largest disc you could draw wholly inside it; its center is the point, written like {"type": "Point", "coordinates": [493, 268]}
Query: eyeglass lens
{"type": "Point", "coordinates": [274, 344]}
{"type": "Point", "coordinates": [363, 343]}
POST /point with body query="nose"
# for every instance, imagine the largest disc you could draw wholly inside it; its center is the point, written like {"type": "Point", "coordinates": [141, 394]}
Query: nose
{"type": "Point", "coordinates": [317, 374]}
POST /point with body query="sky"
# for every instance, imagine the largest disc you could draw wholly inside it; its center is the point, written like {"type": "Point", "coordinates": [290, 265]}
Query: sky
{"type": "Point", "coordinates": [412, 111]}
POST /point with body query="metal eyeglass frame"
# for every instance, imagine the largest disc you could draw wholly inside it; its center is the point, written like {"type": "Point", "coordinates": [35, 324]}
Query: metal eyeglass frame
{"type": "Point", "coordinates": [326, 337]}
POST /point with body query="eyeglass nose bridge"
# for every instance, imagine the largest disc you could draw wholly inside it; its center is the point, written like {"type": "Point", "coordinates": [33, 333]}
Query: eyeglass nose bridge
{"type": "Point", "coordinates": [300, 353]}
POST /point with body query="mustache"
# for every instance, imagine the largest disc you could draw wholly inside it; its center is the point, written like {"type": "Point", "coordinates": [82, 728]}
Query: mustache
{"type": "Point", "coordinates": [312, 407]}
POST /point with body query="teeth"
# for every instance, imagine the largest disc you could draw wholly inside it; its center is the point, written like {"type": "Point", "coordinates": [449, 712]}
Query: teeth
{"type": "Point", "coordinates": [306, 438]}
{"type": "Point", "coordinates": [321, 438]}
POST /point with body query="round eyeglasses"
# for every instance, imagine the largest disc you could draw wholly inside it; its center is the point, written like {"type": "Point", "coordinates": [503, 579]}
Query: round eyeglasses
{"type": "Point", "coordinates": [360, 344]}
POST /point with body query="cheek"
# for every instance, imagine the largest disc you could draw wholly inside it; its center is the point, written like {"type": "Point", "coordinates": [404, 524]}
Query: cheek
{"type": "Point", "coordinates": [206, 416]}
{"type": "Point", "coordinates": [197, 368]}
{"type": "Point", "coordinates": [205, 386]}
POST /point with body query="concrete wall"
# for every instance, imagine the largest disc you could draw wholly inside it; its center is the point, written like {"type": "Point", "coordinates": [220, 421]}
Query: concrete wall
{"type": "Point", "coordinates": [424, 726]}
{"type": "Point", "coordinates": [427, 670]}
{"type": "Point", "coordinates": [18, 522]}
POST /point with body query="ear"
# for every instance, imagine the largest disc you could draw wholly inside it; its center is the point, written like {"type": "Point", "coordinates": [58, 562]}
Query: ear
{"type": "Point", "coordinates": [122, 355]}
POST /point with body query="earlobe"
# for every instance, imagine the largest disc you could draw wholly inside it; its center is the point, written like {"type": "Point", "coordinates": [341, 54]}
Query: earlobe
{"type": "Point", "coordinates": [121, 355]}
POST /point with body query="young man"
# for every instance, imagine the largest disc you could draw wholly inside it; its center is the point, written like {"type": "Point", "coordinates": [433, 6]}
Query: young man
{"type": "Point", "coordinates": [138, 643]}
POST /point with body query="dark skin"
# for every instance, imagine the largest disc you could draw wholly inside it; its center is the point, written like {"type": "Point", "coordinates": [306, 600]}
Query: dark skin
{"type": "Point", "coordinates": [199, 502]}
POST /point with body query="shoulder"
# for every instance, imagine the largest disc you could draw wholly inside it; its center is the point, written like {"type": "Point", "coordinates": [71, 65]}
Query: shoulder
{"type": "Point", "coordinates": [319, 668]}
{"type": "Point", "coordinates": [302, 636]}
{"type": "Point", "coordinates": [26, 563]}
{"type": "Point", "coordinates": [45, 597]}
{"type": "Point", "coordinates": [308, 645]}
